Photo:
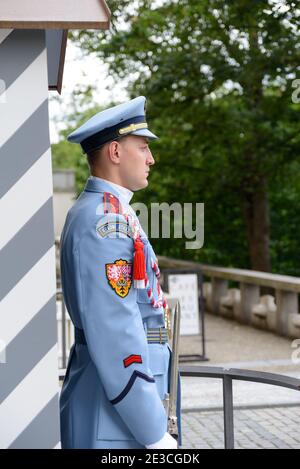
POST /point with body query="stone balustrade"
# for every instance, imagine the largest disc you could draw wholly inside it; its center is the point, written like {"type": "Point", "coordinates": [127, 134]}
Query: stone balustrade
{"type": "Point", "coordinates": [277, 312]}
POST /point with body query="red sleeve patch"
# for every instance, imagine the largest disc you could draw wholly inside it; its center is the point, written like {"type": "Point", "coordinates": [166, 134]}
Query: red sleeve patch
{"type": "Point", "coordinates": [132, 359]}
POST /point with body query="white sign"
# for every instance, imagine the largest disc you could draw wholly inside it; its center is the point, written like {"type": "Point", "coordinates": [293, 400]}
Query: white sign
{"type": "Point", "coordinates": [185, 288]}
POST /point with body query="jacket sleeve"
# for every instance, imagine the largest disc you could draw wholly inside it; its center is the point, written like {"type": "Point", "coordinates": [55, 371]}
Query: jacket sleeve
{"type": "Point", "coordinates": [114, 332]}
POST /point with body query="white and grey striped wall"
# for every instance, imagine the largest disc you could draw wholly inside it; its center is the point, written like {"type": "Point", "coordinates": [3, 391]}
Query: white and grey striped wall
{"type": "Point", "coordinates": [29, 415]}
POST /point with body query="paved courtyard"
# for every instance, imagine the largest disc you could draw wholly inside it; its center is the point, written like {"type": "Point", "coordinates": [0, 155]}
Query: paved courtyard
{"type": "Point", "coordinates": [268, 428]}
{"type": "Point", "coordinates": [265, 416]}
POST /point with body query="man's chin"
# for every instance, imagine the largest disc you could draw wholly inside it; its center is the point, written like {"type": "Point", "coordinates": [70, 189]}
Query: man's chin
{"type": "Point", "coordinates": [140, 186]}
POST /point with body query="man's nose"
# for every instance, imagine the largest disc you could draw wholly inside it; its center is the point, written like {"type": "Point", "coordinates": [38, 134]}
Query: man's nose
{"type": "Point", "coordinates": [150, 159]}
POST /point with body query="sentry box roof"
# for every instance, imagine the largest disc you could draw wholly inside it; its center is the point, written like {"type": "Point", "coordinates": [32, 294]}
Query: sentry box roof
{"type": "Point", "coordinates": [56, 17]}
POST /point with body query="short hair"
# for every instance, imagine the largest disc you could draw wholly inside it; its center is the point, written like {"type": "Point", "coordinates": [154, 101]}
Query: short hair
{"type": "Point", "coordinates": [94, 156]}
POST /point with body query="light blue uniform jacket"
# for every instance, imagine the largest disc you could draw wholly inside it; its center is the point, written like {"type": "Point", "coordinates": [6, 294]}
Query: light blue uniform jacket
{"type": "Point", "coordinates": [114, 386]}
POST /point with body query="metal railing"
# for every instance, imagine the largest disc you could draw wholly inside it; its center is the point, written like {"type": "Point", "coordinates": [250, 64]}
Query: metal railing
{"type": "Point", "coordinates": [227, 376]}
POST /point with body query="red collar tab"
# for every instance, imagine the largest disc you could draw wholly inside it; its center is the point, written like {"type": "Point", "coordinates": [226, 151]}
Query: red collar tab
{"type": "Point", "coordinates": [112, 203]}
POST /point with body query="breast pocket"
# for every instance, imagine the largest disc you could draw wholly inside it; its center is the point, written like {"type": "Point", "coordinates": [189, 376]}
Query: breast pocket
{"type": "Point", "coordinates": [142, 293]}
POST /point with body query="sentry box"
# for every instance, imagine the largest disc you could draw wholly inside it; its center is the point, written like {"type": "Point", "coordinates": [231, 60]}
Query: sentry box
{"type": "Point", "coordinates": [33, 37]}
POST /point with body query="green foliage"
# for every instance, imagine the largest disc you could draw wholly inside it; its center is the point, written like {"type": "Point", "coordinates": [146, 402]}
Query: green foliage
{"type": "Point", "coordinates": [69, 155]}
{"type": "Point", "coordinates": [219, 78]}
{"type": "Point", "coordinates": [285, 220]}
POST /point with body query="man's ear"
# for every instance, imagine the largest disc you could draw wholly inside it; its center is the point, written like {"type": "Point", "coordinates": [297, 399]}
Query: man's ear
{"type": "Point", "coordinates": [114, 152]}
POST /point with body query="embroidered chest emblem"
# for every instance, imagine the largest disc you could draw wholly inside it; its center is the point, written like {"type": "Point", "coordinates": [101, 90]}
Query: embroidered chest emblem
{"type": "Point", "coordinates": [119, 276]}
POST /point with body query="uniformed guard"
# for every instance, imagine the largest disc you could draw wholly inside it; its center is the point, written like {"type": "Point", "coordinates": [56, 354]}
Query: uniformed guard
{"type": "Point", "coordinates": [117, 374]}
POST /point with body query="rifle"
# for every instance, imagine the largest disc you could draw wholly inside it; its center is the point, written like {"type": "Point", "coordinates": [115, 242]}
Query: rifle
{"type": "Point", "coordinates": [171, 399]}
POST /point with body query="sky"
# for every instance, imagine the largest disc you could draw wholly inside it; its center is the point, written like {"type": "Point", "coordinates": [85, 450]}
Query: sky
{"type": "Point", "coordinates": [82, 71]}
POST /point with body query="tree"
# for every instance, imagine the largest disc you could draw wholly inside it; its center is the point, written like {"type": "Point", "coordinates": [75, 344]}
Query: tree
{"type": "Point", "coordinates": [66, 155]}
{"type": "Point", "coordinates": [219, 77]}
